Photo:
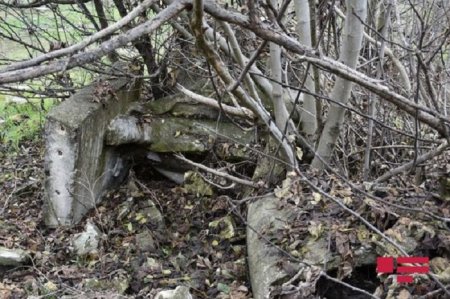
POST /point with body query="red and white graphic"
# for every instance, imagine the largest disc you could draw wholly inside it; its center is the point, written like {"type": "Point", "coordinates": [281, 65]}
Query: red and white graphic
{"type": "Point", "coordinates": [402, 267]}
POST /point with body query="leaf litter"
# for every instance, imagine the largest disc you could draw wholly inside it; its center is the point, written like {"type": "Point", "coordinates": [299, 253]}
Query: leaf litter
{"type": "Point", "coordinates": [157, 235]}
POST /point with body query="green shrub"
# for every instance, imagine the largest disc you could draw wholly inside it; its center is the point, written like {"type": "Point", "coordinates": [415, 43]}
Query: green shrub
{"type": "Point", "coordinates": [22, 122]}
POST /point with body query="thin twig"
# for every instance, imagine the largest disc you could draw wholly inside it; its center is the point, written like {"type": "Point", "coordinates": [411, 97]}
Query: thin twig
{"type": "Point", "coordinates": [84, 43]}
{"type": "Point", "coordinates": [238, 111]}
{"type": "Point", "coordinates": [440, 149]}
{"type": "Point", "coordinates": [219, 173]}
{"type": "Point", "coordinates": [432, 294]}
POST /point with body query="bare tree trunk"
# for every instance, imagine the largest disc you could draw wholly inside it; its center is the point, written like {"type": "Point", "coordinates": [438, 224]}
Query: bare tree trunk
{"type": "Point", "coordinates": [385, 20]}
{"type": "Point", "coordinates": [104, 24]}
{"type": "Point", "coordinates": [144, 46]}
{"type": "Point", "coordinates": [214, 59]}
{"type": "Point", "coordinates": [308, 120]}
{"type": "Point", "coordinates": [351, 44]}
{"type": "Point", "coordinates": [403, 73]}
{"type": "Point", "coordinates": [281, 113]}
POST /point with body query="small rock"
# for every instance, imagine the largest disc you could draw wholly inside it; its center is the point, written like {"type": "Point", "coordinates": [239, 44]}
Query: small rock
{"type": "Point", "coordinates": [87, 242]}
{"type": "Point", "coordinates": [125, 209]}
{"type": "Point", "coordinates": [13, 257]}
{"type": "Point", "coordinates": [145, 242]}
{"type": "Point", "coordinates": [118, 284]}
{"type": "Point", "coordinates": [181, 292]}
{"type": "Point", "coordinates": [154, 216]}
{"type": "Point", "coordinates": [153, 264]}
{"type": "Point", "coordinates": [174, 176]}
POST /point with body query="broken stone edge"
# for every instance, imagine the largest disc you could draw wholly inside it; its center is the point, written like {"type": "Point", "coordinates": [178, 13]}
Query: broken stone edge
{"type": "Point", "coordinates": [79, 167]}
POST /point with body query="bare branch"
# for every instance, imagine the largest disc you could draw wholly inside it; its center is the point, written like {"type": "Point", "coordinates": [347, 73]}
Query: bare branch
{"type": "Point", "coordinates": [439, 150]}
{"type": "Point", "coordinates": [428, 116]}
{"type": "Point", "coordinates": [84, 43]}
{"type": "Point", "coordinates": [39, 3]}
{"type": "Point", "coordinates": [104, 48]}
{"type": "Point", "coordinates": [238, 111]}
{"type": "Point", "coordinates": [214, 59]}
{"type": "Point", "coordinates": [219, 173]}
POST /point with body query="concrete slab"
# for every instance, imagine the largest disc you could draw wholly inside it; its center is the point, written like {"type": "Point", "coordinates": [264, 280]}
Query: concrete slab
{"type": "Point", "coordinates": [79, 167]}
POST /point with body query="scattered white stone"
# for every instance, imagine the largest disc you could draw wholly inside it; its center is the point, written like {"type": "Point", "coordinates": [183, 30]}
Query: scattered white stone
{"type": "Point", "coordinates": [87, 241]}
{"type": "Point", "coordinates": [154, 216]}
{"type": "Point", "coordinates": [12, 257]}
{"type": "Point", "coordinates": [181, 292]}
{"type": "Point", "coordinates": [174, 176]}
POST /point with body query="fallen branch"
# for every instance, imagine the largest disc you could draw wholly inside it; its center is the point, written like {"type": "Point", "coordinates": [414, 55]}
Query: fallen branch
{"type": "Point", "coordinates": [219, 173]}
{"type": "Point", "coordinates": [240, 111]}
{"type": "Point", "coordinates": [439, 150]}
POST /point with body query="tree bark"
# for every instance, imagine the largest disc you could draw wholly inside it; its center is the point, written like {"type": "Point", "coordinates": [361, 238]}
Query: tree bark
{"type": "Point", "coordinates": [308, 118]}
{"type": "Point", "coordinates": [280, 111]}
{"type": "Point", "coordinates": [351, 44]}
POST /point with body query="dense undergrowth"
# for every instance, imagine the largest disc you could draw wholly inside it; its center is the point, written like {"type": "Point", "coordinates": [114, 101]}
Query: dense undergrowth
{"type": "Point", "coordinates": [20, 122]}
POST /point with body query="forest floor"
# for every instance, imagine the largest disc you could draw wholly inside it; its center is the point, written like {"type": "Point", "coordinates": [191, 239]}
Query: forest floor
{"type": "Point", "coordinates": [199, 240]}
{"type": "Point", "coordinates": [135, 259]}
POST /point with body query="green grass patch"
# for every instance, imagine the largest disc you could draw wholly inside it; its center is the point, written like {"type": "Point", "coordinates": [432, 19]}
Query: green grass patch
{"type": "Point", "coordinates": [22, 122]}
